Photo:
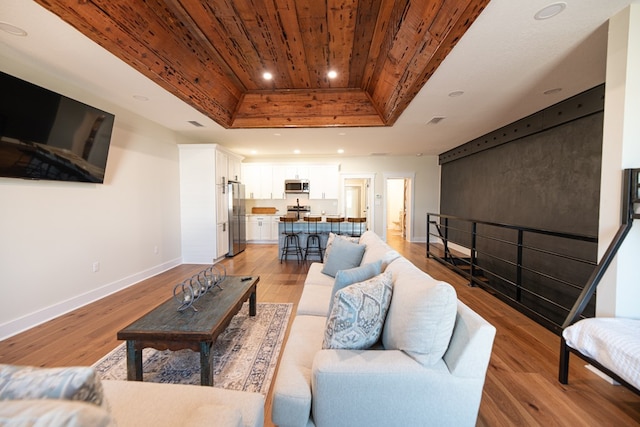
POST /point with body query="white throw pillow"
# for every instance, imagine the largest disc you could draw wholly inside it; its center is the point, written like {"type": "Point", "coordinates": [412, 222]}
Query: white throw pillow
{"type": "Point", "coordinates": [358, 314]}
{"type": "Point", "coordinates": [421, 318]}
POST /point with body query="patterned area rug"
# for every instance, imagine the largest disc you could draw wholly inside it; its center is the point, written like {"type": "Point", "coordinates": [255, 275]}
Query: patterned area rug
{"type": "Point", "coordinates": [245, 354]}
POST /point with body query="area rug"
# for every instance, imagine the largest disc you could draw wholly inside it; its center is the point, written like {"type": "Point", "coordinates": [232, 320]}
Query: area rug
{"type": "Point", "coordinates": [245, 354]}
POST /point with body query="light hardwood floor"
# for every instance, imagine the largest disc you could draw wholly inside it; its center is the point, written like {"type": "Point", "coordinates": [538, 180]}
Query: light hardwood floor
{"type": "Point", "coordinates": [521, 387]}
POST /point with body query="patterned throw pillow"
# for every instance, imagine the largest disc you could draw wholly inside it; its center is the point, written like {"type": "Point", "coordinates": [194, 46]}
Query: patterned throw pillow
{"type": "Point", "coordinates": [358, 314]}
{"type": "Point", "coordinates": [74, 383]}
{"type": "Point", "coordinates": [348, 277]}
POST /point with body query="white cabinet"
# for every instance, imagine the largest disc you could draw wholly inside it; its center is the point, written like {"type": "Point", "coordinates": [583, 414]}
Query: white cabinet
{"type": "Point", "coordinates": [296, 171]}
{"type": "Point", "coordinates": [260, 228]}
{"type": "Point", "coordinates": [203, 202]}
{"type": "Point", "coordinates": [257, 180]}
{"type": "Point", "coordinates": [323, 182]}
{"type": "Point", "coordinates": [277, 183]}
{"type": "Point", "coordinates": [235, 169]}
{"type": "Point", "coordinates": [266, 181]}
{"type": "Point", "coordinates": [222, 238]}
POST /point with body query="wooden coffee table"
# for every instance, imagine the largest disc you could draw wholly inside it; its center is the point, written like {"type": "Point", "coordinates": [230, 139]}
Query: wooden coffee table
{"type": "Point", "coordinates": [165, 328]}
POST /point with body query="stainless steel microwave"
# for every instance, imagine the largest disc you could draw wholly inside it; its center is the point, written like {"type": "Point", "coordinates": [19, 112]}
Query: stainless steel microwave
{"type": "Point", "coordinates": [296, 186]}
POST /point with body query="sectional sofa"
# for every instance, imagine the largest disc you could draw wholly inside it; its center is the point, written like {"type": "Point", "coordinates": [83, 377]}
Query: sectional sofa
{"type": "Point", "coordinates": [377, 342]}
{"type": "Point", "coordinates": [76, 397]}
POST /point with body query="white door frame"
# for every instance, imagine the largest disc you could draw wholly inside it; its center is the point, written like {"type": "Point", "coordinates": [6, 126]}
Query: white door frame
{"type": "Point", "coordinates": [370, 195]}
{"type": "Point", "coordinates": [411, 177]}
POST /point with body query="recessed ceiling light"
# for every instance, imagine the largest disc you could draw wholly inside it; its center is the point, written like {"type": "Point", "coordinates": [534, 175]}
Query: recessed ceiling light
{"type": "Point", "coordinates": [12, 29]}
{"type": "Point", "coordinates": [456, 93]}
{"type": "Point", "coordinates": [419, 155]}
{"type": "Point", "coordinates": [140, 97]}
{"type": "Point", "coordinates": [254, 152]}
{"type": "Point", "coordinates": [267, 75]}
{"type": "Point", "coordinates": [277, 134]}
{"type": "Point", "coordinates": [340, 151]}
{"type": "Point", "coordinates": [332, 74]}
{"type": "Point", "coordinates": [550, 11]}
{"type": "Point", "coordinates": [342, 133]}
{"type": "Point", "coordinates": [552, 91]}
{"type": "Point", "coordinates": [296, 151]}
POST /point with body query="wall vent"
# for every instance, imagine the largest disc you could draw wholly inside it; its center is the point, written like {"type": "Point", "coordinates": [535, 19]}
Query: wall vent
{"type": "Point", "coordinates": [196, 124]}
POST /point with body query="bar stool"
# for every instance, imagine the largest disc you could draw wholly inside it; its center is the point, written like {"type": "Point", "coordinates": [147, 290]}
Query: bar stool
{"type": "Point", "coordinates": [291, 240]}
{"type": "Point", "coordinates": [361, 221]}
{"type": "Point", "coordinates": [314, 247]}
{"type": "Point", "coordinates": [335, 224]}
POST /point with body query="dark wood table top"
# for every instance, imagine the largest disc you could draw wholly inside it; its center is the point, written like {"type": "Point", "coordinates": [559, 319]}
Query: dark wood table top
{"type": "Point", "coordinates": [165, 322]}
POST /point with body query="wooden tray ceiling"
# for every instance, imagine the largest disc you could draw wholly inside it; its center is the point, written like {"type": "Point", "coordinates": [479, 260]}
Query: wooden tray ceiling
{"type": "Point", "coordinates": [212, 54]}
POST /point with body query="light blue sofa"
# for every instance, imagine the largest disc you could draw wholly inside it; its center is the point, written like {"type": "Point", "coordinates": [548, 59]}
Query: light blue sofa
{"type": "Point", "coordinates": [395, 383]}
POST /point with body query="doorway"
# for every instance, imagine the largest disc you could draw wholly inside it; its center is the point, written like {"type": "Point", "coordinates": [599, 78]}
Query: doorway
{"type": "Point", "coordinates": [398, 206]}
{"type": "Point", "coordinates": [357, 194]}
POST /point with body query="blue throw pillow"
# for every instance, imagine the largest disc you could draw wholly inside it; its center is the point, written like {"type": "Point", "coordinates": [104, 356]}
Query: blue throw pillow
{"type": "Point", "coordinates": [348, 277]}
{"type": "Point", "coordinates": [344, 255]}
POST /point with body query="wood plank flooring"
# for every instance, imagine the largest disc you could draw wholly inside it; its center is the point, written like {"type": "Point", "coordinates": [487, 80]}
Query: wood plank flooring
{"type": "Point", "coordinates": [521, 387]}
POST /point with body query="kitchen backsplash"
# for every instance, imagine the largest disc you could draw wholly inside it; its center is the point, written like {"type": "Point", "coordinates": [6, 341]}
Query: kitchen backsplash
{"type": "Point", "coordinates": [328, 206]}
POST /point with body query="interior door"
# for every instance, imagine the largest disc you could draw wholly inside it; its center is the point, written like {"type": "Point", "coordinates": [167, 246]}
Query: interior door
{"type": "Point", "coordinates": [352, 205]}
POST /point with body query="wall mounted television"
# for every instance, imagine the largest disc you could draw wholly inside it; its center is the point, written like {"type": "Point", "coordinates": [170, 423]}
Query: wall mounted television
{"type": "Point", "coordinates": [45, 135]}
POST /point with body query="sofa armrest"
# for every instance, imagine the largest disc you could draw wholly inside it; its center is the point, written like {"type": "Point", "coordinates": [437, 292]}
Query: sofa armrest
{"type": "Point", "coordinates": [471, 343]}
{"type": "Point", "coordinates": [387, 387]}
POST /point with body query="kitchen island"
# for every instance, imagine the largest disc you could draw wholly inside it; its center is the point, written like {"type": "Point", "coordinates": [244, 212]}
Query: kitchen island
{"type": "Point", "coordinates": [303, 228]}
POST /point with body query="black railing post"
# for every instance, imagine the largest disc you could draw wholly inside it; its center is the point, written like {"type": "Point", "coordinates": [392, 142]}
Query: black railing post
{"type": "Point", "coordinates": [519, 268]}
{"type": "Point", "coordinates": [428, 235]}
{"type": "Point", "coordinates": [446, 237]}
{"type": "Point", "coordinates": [474, 229]}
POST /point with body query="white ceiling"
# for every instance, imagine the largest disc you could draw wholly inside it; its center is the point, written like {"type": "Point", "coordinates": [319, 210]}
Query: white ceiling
{"type": "Point", "coordinates": [503, 64]}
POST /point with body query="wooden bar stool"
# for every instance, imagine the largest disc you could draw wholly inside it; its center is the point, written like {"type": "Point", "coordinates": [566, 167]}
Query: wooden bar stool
{"type": "Point", "coordinates": [335, 224]}
{"type": "Point", "coordinates": [314, 247]}
{"type": "Point", "coordinates": [291, 240]}
{"type": "Point", "coordinates": [361, 222]}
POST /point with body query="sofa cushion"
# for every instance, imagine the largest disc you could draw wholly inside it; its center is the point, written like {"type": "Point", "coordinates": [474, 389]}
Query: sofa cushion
{"type": "Point", "coordinates": [138, 403]}
{"type": "Point", "coordinates": [350, 276]}
{"type": "Point", "coordinates": [421, 317]}
{"type": "Point", "coordinates": [53, 412]}
{"type": "Point", "coordinates": [71, 383]}
{"type": "Point", "coordinates": [292, 389]}
{"type": "Point", "coordinates": [316, 277]}
{"type": "Point", "coordinates": [315, 300]}
{"type": "Point", "coordinates": [358, 314]}
{"type": "Point", "coordinates": [344, 255]}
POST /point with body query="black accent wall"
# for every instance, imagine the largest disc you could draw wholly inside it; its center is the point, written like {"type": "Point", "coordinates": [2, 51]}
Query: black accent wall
{"type": "Point", "coordinates": [540, 172]}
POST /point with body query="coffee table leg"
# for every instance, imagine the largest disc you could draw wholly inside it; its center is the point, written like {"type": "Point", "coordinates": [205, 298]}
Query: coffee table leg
{"type": "Point", "coordinates": [252, 303]}
{"type": "Point", "coordinates": [206, 364]}
{"type": "Point", "coordinates": [134, 362]}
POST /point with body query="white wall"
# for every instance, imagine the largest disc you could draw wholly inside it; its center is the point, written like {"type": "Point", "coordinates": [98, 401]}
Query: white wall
{"type": "Point", "coordinates": [426, 186]}
{"type": "Point", "coordinates": [619, 292]}
{"type": "Point", "coordinates": [51, 233]}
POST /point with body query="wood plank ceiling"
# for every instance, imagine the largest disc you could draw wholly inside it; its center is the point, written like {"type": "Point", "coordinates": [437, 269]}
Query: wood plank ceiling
{"type": "Point", "coordinates": [212, 53]}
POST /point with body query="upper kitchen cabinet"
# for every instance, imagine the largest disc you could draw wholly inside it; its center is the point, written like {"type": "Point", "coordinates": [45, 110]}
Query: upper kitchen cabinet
{"type": "Point", "coordinates": [266, 180]}
{"type": "Point", "coordinates": [257, 180]}
{"type": "Point", "coordinates": [294, 171]}
{"type": "Point", "coordinates": [323, 181]}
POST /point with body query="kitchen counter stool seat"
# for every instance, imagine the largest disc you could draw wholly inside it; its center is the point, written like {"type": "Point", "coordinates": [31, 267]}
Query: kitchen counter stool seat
{"type": "Point", "coordinates": [335, 224]}
{"type": "Point", "coordinates": [291, 239]}
{"type": "Point", "coordinates": [357, 230]}
{"type": "Point", "coordinates": [314, 245]}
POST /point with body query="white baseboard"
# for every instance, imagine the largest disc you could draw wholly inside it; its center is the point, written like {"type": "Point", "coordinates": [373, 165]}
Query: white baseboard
{"type": "Point", "coordinates": [23, 323]}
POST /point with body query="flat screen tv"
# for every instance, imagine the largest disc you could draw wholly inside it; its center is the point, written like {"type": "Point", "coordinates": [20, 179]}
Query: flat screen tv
{"type": "Point", "coordinates": [45, 135]}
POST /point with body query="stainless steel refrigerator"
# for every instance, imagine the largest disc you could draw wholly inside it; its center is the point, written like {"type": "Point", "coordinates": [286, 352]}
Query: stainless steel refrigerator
{"type": "Point", "coordinates": [237, 218]}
